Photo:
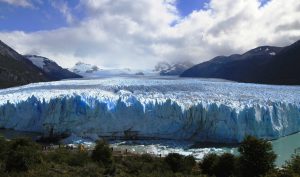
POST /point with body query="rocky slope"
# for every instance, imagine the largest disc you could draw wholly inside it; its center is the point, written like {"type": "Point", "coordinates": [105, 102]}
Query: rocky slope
{"type": "Point", "coordinates": [17, 70]}
{"type": "Point", "coordinates": [51, 69]}
{"type": "Point", "coordinates": [266, 64]}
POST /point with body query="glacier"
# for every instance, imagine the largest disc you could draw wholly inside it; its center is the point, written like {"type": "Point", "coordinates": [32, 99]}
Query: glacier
{"type": "Point", "coordinates": [168, 108]}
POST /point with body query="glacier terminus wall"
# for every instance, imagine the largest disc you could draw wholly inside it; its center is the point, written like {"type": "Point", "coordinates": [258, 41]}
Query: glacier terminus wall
{"type": "Point", "coordinates": [171, 108]}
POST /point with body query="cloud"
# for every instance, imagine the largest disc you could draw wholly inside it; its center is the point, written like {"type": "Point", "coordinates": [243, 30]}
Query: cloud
{"type": "Point", "coordinates": [138, 34]}
{"type": "Point", "coordinates": [64, 9]}
{"type": "Point", "coordinates": [21, 3]}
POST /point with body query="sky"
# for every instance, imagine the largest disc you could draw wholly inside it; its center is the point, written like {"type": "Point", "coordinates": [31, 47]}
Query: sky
{"type": "Point", "coordinates": [139, 34]}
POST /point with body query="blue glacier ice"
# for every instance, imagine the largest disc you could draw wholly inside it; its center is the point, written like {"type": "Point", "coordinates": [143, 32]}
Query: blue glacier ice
{"type": "Point", "coordinates": [171, 108]}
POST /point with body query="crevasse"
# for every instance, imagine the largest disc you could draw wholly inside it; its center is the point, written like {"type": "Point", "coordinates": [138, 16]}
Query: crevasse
{"type": "Point", "coordinates": [184, 109]}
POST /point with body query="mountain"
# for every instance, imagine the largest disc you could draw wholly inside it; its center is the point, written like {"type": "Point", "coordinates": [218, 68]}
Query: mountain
{"type": "Point", "coordinates": [51, 69]}
{"type": "Point", "coordinates": [83, 68]}
{"type": "Point", "coordinates": [284, 68]}
{"type": "Point", "coordinates": [92, 71]}
{"type": "Point", "coordinates": [265, 64]}
{"type": "Point", "coordinates": [17, 70]}
{"type": "Point", "coordinates": [167, 69]}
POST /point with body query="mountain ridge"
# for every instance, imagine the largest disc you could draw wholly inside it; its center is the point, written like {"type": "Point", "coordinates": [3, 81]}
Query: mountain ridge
{"type": "Point", "coordinates": [16, 70]}
{"type": "Point", "coordinates": [171, 69]}
{"type": "Point", "coordinates": [51, 68]}
{"type": "Point", "coordinates": [254, 66]}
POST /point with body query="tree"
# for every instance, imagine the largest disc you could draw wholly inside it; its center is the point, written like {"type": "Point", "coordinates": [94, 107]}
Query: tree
{"type": "Point", "coordinates": [22, 154]}
{"type": "Point", "coordinates": [102, 153]}
{"type": "Point", "coordinates": [174, 161]}
{"type": "Point", "coordinates": [208, 164]}
{"type": "Point", "coordinates": [3, 150]}
{"type": "Point", "coordinates": [219, 166]}
{"type": "Point", "coordinates": [256, 157]}
{"type": "Point", "coordinates": [292, 166]}
{"type": "Point", "coordinates": [189, 163]}
{"type": "Point", "coordinates": [180, 163]}
{"type": "Point", "coordinates": [225, 166]}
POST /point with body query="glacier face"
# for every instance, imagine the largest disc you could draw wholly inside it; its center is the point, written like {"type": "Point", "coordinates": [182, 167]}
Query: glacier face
{"type": "Point", "coordinates": [171, 108]}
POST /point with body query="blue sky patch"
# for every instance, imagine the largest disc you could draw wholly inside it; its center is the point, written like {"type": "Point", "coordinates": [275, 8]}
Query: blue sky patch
{"type": "Point", "coordinates": [186, 7]}
{"type": "Point", "coordinates": [29, 19]}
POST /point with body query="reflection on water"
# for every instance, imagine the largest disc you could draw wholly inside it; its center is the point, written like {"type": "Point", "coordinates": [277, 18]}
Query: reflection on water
{"type": "Point", "coordinates": [283, 147]}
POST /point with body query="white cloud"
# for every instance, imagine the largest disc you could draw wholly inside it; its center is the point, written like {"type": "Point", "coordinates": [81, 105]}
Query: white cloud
{"type": "Point", "coordinates": [126, 33]}
{"type": "Point", "coordinates": [64, 9]}
{"type": "Point", "coordinates": [22, 3]}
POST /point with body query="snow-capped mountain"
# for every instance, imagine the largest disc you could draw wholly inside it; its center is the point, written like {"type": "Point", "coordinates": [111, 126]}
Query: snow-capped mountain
{"type": "Point", "coordinates": [83, 68]}
{"type": "Point", "coordinates": [184, 109]}
{"type": "Point", "coordinates": [92, 71]}
{"type": "Point", "coordinates": [266, 64]}
{"type": "Point", "coordinates": [50, 68]}
{"type": "Point", "coordinates": [235, 67]}
{"type": "Point", "coordinates": [167, 69]}
{"type": "Point", "coordinates": [17, 70]}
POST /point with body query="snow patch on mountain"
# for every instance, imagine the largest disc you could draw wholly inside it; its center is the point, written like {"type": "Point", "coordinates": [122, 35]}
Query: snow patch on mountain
{"type": "Point", "coordinates": [167, 69]}
{"type": "Point", "coordinates": [83, 68]}
{"type": "Point", "coordinates": [38, 60]}
{"type": "Point", "coordinates": [93, 71]}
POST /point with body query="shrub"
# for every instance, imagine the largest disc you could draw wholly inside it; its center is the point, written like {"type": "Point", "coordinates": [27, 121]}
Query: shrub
{"type": "Point", "coordinates": [189, 163]}
{"type": "Point", "coordinates": [174, 161]}
{"type": "Point", "coordinates": [22, 154]}
{"type": "Point", "coordinates": [78, 159]}
{"type": "Point", "coordinates": [59, 156]}
{"type": "Point", "coordinates": [209, 163]}
{"type": "Point", "coordinates": [3, 147]}
{"type": "Point", "coordinates": [102, 154]}
{"type": "Point", "coordinates": [225, 166]}
{"type": "Point", "coordinates": [3, 152]}
{"type": "Point", "coordinates": [293, 166]}
{"type": "Point", "coordinates": [147, 158]}
{"type": "Point", "coordinates": [64, 156]}
{"type": "Point", "coordinates": [179, 163]}
{"type": "Point", "coordinates": [257, 157]}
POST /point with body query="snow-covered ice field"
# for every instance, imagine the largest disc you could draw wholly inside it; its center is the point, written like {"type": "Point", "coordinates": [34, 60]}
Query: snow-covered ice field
{"type": "Point", "coordinates": [170, 108]}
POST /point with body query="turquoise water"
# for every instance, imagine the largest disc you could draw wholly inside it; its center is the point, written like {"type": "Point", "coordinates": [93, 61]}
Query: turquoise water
{"type": "Point", "coordinates": [285, 147]}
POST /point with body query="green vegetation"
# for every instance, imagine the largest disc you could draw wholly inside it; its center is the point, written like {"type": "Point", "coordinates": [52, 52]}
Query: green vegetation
{"type": "Point", "coordinates": [224, 165]}
{"type": "Point", "coordinates": [257, 157]}
{"type": "Point", "coordinates": [22, 157]}
{"type": "Point", "coordinates": [102, 154]}
{"type": "Point", "coordinates": [180, 163]}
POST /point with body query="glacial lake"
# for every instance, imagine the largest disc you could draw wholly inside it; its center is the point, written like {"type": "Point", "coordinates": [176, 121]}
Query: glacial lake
{"type": "Point", "coordinates": [283, 147]}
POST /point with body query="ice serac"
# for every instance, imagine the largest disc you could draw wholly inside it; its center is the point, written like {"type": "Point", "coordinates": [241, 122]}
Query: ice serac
{"type": "Point", "coordinates": [185, 109]}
